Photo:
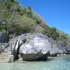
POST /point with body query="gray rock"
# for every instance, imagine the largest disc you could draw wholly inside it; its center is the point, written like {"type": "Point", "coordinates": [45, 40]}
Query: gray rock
{"type": "Point", "coordinates": [55, 51]}
{"type": "Point", "coordinates": [3, 37]}
{"type": "Point", "coordinates": [2, 22]}
{"type": "Point", "coordinates": [33, 47]}
{"type": "Point", "coordinates": [11, 59]}
{"type": "Point", "coordinates": [3, 46]}
{"type": "Point", "coordinates": [67, 50]}
{"type": "Point", "coordinates": [58, 48]}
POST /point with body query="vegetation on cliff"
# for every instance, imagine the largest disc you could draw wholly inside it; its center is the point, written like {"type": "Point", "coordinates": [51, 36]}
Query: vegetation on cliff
{"type": "Point", "coordinates": [21, 20]}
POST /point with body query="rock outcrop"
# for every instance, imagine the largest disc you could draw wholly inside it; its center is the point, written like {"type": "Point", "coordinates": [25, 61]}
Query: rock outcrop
{"type": "Point", "coordinates": [58, 48]}
{"type": "Point", "coordinates": [3, 37]}
{"type": "Point", "coordinates": [3, 46]}
{"type": "Point", "coordinates": [5, 53]}
{"type": "Point", "coordinates": [33, 47]}
{"type": "Point", "coordinates": [38, 46]}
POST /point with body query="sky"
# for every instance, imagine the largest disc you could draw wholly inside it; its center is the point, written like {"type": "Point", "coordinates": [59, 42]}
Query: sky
{"type": "Point", "coordinates": [56, 13]}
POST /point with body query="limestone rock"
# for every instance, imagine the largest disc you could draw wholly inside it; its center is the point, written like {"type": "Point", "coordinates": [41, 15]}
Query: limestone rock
{"type": "Point", "coordinates": [34, 47]}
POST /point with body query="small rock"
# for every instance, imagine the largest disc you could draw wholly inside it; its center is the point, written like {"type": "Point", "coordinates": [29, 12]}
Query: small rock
{"type": "Point", "coordinates": [11, 59]}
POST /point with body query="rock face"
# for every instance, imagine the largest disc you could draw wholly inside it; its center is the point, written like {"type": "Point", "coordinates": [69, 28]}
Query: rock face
{"type": "Point", "coordinates": [5, 53]}
{"type": "Point", "coordinates": [33, 47]}
{"type": "Point", "coordinates": [3, 46]}
{"type": "Point", "coordinates": [3, 37]}
{"type": "Point", "coordinates": [2, 22]}
{"type": "Point", "coordinates": [55, 51]}
{"type": "Point", "coordinates": [58, 48]}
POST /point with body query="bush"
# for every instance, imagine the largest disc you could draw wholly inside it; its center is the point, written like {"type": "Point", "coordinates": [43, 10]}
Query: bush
{"type": "Point", "coordinates": [2, 27]}
{"type": "Point", "coordinates": [51, 32]}
{"type": "Point", "coordinates": [12, 0]}
{"type": "Point", "coordinates": [29, 8]}
{"type": "Point", "coordinates": [63, 38]}
{"type": "Point", "coordinates": [29, 14]}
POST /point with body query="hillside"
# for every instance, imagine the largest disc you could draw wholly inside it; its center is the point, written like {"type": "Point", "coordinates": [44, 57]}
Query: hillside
{"type": "Point", "coordinates": [20, 19]}
{"type": "Point", "coordinates": [17, 20]}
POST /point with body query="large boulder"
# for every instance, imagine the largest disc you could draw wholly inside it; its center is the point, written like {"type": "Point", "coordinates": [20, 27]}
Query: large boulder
{"type": "Point", "coordinates": [33, 47]}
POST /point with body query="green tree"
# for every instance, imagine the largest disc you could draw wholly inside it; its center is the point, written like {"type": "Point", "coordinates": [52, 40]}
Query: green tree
{"type": "Point", "coordinates": [51, 32]}
{"type": "Point", "coordinates": [29, 8]}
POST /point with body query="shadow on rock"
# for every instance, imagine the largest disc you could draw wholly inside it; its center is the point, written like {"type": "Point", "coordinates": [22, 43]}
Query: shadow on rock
{"type": "Point", "coordinates": [50, 58]}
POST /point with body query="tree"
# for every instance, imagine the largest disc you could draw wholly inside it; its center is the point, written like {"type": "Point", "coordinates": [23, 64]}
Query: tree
{"type": "Point", "coordinates": [29, 8]}
{"type": "Point", "coordinates": [51, 32]}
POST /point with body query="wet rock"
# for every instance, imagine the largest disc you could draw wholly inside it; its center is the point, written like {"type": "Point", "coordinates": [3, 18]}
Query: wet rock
{"type": "Point", "coordinates": [11, 59]}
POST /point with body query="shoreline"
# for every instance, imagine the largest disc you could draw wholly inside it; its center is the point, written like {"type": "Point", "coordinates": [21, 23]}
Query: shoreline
{"type": "Point", "coordinates": [9, 58]}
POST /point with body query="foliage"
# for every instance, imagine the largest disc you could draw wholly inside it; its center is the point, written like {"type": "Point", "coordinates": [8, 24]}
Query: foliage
{"type": "Point", "coordinates": [29, 8]}
{"type": "Point", "coordinates": [51, 32]}
{"type": "Point", "coordinates": [29, 14]}
{"type": "Point", "coordinates": [2, 27]}
{"type": "Point", "coordinates": [63, 38]}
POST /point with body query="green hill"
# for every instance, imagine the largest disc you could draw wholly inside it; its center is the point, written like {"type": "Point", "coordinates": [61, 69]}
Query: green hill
{"type": "Point", "coordinates": [19, 20]}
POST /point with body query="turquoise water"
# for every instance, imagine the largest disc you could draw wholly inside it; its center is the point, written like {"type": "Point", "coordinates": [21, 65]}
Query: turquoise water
{"type": "Point", "coordinates": [57, 63]}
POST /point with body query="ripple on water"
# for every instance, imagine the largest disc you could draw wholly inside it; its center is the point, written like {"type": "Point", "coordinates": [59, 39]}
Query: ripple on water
{"type": "Point", "coordinates": [58, 63]}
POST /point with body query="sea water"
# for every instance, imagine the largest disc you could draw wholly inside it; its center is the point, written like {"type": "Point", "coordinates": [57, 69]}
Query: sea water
{"type": "Point", "coordinates": [56, 63]}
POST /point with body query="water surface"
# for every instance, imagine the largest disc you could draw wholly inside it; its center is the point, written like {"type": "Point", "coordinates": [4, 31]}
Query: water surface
{"type": "Point", "coordinates": [57, 63]}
